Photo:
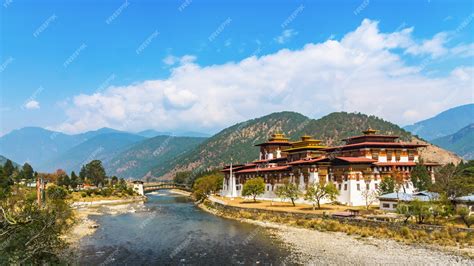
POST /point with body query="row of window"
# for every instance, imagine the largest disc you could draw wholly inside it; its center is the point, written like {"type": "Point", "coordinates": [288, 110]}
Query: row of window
{"type": "Point", "coordinates": [367, 186]}
{"type": "Point", "coordinates": [387, 205]}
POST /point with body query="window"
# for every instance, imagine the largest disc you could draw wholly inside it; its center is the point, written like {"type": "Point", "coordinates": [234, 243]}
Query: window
{"type": "Point", "coordinates": [358, 186]}
{"type": "Point", "coordinates": [367, 186]}
{"type": "Point", "coordinates": [385, 205]}
{"type": "Point", "coordinates": [340, 186]}
{"type": "Point", "coordinates": [345, 186]}
{"type": "Point", "coordinates": [376, 186]}
{"type": "Point", "coordinates": [394, 206]}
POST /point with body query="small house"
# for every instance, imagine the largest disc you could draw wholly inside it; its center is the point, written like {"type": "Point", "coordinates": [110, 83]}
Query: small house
{"type": "Point", "coordinates": [138, 187]}
{"type": "Point", "coordinates": [389, 202]}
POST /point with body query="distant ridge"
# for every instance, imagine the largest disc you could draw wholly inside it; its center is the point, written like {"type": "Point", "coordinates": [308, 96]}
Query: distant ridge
{"type": "Point", "coordinates": [100, 147]}
{"type": "Point", "coordinates": [445, 123]}
{"type": "Point", "coordinates": [461, 142]}
{"type": "Point", "coordinates": [4, 159]}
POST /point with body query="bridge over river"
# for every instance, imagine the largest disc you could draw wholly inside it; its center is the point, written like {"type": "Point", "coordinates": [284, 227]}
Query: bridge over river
{"type": "Point", "coordinates": [153, 186]}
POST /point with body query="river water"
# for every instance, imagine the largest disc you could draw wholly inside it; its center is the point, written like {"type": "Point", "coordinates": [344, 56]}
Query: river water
{"type": "Point", "coordinates": [170, 230]}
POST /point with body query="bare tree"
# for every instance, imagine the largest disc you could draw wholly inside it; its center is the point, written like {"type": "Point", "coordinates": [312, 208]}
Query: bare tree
{"type": "Point", "coordinates": [370, 196]}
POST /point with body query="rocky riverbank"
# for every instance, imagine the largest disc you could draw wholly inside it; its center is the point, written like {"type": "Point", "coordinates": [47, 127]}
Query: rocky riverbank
{"type": "Point", "coordinates": [85, 226]}
{"type": "Point", "coordinates": [317, 247]}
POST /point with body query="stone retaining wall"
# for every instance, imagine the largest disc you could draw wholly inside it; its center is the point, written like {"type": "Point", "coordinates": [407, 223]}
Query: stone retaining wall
{"type": "Point", "coordinates": [345, 220]}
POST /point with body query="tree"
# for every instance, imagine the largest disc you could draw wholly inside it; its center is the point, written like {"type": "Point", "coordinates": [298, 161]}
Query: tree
{"type": "Point", "coordinates": [122, 185]}
{"type": "Point", "coordinates": [95, 172]}
{"type": "Point", "coordinates": [82, 173]}
{"type": "Point", "coordinates": [74, 180]}
{"type": "Point", "coordinates": [6, 182]}
{"type": "Point", "coordinates": [387, 185]}
{"type": "Point", "coordinates": [463, 212]}
{"type": "Point", "coordinates": [62, 179]}
{"type": "Point", "coordinates": [441, 207]}
{"type": "Point", "coordinates": [370, 196]}
{"type": "Point", "coordinates": [254, 187]}
{"type": "Point", "coordinates": [420, 177]}
{"type": "Point", "coordinates": [31, 235]}
{"type": "Point", "coordinates": [27, 172]}
{"type": "Point", "coordinates": [319, 191]}
{"type": "Point", "coordinates": [54, 192]}
{"type": "Point", "coordinates": [114, 180]}
{"type": "Point", "coordinates": [206, 185]}
{"type": "Point", "coordinates": [288, 191]}
{"type": "Point", "coordinates": [455, 181]}
{"type": "Point", "coordinates": [8, 168]}
{"type": "Point", "coordinates": [419, 209]}
{"type": "Point", "coordinates": [181, 177]}
{"type": "Point", "coordinates": [405, 210]}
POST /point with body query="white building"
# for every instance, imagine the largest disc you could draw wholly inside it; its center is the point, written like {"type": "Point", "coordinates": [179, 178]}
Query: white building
{"type": "Point", "coordinates": [358, 166]}
{"type": "Point", "coordinates": [138, 187]}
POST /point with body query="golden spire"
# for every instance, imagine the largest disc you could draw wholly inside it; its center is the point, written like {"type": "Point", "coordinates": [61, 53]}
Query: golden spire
{"type": "Point", "coordinates": [370, 131]}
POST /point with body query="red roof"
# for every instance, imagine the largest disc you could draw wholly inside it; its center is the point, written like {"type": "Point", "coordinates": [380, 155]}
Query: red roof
{"type": "Point", "coordinates": [307, 160]}
{"type": "Point", "coordinates": [283, 143]}
{"type": "Point", "coordinates": [357, 159]}
{"type": "Point", "coordinates": [402, 164]}
{"type": "Point", "coordinates": [377, 144]}
{"type": "Point", "coordinates": [370, 136]}
{"type": "Point", "coordinates": [265, 169]}
{"type": "Point", "coordinates": [270, 160]}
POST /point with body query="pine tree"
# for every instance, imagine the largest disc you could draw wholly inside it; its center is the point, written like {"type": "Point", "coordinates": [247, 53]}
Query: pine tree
{"type": "Point", "coordinates": [27, 172]}
{"type": "Point", "coordinates": [387, 185]}
{"type": "Point", "coordinates": [74, 180]}
{"type": "Point", "coordinates": [420, 177]}
{"type": "Point", "coordinates": [8, 168]}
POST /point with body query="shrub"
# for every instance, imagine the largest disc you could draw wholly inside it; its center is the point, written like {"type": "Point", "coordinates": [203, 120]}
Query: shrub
{"type": "Point", "coordinates": [332, 226]}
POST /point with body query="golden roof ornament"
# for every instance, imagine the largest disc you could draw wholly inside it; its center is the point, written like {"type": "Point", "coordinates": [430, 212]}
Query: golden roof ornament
{"type": "Point", "coordinates": [370, 131]}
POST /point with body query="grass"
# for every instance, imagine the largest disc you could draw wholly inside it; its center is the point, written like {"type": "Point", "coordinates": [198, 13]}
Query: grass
{"type": "Point", "coordinates": [284, 206]}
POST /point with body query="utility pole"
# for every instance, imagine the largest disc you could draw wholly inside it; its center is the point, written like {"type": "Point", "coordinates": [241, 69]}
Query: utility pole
{"type": "Point", "coordinates": [39, 190]}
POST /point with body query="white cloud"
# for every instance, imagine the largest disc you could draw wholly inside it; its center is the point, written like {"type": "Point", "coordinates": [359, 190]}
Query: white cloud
{"type": "Point", "coordinates": [434, 47]}
{"type": "Point", "coordinates": [463, 50]}
{"type": "Point", "coordinates": [170, 60]}
{"type": "Point", "coordinates": [285, 36]}
{"type": "Point", "coordinates": [32, 104]}
{"type": "Point", "coordinates": [359, 73]}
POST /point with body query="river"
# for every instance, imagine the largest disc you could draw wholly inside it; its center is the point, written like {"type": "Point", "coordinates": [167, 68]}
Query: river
{"type": "Point", "coordinates": [168, 229]}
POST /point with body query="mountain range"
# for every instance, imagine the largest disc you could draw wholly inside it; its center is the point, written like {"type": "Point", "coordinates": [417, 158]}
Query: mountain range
{"type": "Point", "coordinates": [461, 142]}
{"type": "Point", "coordinates": [153, 153]}
{"type": "Point", "coordinates": [444, 124]}
{"type": "Point", "coordinates": [48, 150]}
{"type": "Point", "coordinates": [236, 143]}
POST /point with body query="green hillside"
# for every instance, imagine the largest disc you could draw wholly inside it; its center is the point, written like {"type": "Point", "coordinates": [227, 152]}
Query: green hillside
{"type": "Point", "coordinates": [238, 141]}
{"type": "Point", "coordinates": [155, 153]}
{"type": "Point", "coordinates": [461, 142]}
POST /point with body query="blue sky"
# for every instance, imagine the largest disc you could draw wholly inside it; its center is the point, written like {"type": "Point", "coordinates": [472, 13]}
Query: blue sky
{"type": "Point", "coordinates": [181, 65]}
